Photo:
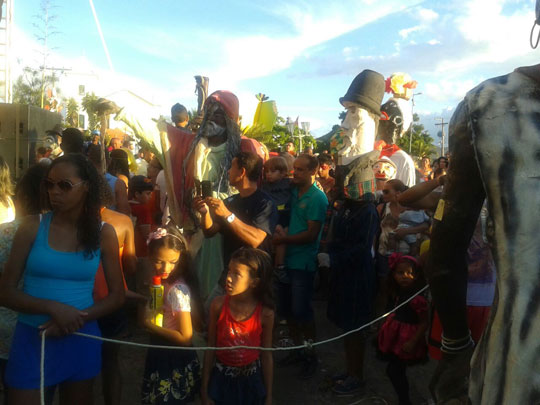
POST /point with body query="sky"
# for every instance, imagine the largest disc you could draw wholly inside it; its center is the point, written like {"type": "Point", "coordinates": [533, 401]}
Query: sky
{"type": "Point", "coordinates": [302, 54]}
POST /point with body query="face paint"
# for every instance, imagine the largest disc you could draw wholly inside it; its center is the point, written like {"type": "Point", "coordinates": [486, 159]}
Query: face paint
{"type": "Point", "coordinates": [357, 134]}
{"type": "Point", "coordinates": [384, 170]}
{"type": "Point", "coordinates": [211, 129]}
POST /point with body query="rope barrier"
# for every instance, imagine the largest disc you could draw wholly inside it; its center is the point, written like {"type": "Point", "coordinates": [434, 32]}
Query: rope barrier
{"type": "Point", "coordinates": [306, 344]}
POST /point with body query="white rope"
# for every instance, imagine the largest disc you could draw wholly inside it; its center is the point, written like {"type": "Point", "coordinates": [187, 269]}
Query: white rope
{"type": "Point", "coordinates": [204, 348]}
{"type": "Point", "coordinates": [42, 370]}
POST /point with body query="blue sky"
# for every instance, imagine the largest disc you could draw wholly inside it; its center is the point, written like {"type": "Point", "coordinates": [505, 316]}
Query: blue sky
{"type": "Point", "coordinates": [303, 54]}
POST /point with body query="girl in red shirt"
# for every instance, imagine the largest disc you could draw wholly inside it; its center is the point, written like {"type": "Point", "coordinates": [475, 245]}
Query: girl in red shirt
{"type": "Point", "coordinates": [243, 317]}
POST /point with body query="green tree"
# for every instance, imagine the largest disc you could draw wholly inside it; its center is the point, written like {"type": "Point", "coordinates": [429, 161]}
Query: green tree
{"type": "Point", "coordinates": [27, 87]}
{"type": "Point", "coordinates": [90, 104]}
{"type": "Point", "coordinates": [72, 113]}
{"type": "Point", "coordinates": [422, 143]}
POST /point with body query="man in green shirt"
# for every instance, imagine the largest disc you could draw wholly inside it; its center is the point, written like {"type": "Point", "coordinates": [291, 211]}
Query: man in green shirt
{"type": "Point", "coordinates": [308, 213]}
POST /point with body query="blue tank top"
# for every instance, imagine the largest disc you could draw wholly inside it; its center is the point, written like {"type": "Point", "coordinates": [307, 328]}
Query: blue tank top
{"type": "Point", "coordinates": [66, 277]}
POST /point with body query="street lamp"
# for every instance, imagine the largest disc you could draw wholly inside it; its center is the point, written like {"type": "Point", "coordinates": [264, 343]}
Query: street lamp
{"type": "Point", "coordinates": [412, 124]}
{"type": "Point", "coordinates": [305, 127]}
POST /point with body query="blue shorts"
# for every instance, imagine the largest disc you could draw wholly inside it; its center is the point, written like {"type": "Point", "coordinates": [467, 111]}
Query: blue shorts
{"type": "Point", "coordinates": [294, 297]}
{"type": "Point", "coordinates": [67, 359]}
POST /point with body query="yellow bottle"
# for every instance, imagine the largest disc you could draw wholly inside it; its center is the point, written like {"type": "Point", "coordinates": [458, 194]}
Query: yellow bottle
{"type": "Point", "coordinates": [156, 301]}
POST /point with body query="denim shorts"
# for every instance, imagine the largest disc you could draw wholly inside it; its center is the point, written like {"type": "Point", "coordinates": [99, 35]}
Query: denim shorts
{"type": "Point", "coordinates": [294, 297]}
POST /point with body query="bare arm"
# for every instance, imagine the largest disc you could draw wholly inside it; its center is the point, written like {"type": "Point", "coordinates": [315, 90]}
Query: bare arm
{"type": "Point", "coordinates": [267, 361]}
{"type": "Point", "coordinates": [462, 198]}
{"type": "Point", "coordinates": [209, 355]}
{"type": "Point", "coordinates": [113, 275]}
{"type": "Point", "coordinates": [250, 235]}
{"type": "Point", "coordinates": [121, 197]}
{"type": "Point", "coordinates": [422, 195]}
{"type": "Point", "coordinates": [308, 236]}
{"type": "Point", "coordinates": [129, 258]}
{"type": "Point", "coordinates": [180, 336]}
{"type": "Point", "coordinates": [208, 226]}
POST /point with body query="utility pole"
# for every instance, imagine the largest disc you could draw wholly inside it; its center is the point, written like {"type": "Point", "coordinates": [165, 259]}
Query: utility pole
{"type": "Point", "coordinates": [442, 124]}
{"type": "Point", "coordinates": [412, 123]}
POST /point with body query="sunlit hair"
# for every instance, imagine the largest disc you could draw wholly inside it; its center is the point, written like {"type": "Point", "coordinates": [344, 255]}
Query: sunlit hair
{"type": "Point", "coordinates": [89, 222]}
{"type": "Point", "coordinates": [184, 269]}
{"type": "Point", "coordinates": [260, 266]}
{"type": "Point", "coordinates": [276, 163]}
{"type": "Point", "coordinates": [6, 186]}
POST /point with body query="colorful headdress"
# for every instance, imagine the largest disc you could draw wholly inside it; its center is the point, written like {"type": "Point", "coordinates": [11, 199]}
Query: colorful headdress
{"type": "Point", "coordinates": [400, 85]}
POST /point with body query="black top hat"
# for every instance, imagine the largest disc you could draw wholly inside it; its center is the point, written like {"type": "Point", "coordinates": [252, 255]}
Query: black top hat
{"type": "Point", "coordinates": [367, 89]}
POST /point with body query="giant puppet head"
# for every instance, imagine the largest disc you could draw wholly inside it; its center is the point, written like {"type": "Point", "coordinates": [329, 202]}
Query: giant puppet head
{"type": "Point", "coordinates": [219, 126]}
{"type": "Point", "coordinates": [402, 86]}
{"type": "Point", "coordinates": [390, 123]}
{"type": "Point", "coordinates": [358, 129]}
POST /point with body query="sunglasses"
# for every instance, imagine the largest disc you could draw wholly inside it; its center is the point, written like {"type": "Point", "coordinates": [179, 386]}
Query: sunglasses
{"type": "Point", "coordinates": [386, 191]}
{"type": "Point", "coordinates": [64, 185]}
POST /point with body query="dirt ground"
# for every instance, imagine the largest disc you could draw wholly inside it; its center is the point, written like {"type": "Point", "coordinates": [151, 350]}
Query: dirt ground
{"type": "Point", "coordinates": [288, 389]}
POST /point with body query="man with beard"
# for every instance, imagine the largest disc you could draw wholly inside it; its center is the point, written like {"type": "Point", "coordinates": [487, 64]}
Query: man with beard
{"type": "Point", "coordinates": [209, 159]}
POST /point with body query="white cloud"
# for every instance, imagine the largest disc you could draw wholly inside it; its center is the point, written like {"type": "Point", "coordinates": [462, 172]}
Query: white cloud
{"type": "Point", "coordinates": [404, 33]}
{"type": "Point", "coordinates": [426, 15]}
{"type": "Point", "coordinates": [448, 90]}
{"type": "Point", "coordinates": [434, 42]}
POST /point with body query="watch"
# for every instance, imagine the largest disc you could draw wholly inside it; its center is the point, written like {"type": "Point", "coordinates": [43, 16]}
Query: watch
{"type": "Point", "coordinates": [231, 218]}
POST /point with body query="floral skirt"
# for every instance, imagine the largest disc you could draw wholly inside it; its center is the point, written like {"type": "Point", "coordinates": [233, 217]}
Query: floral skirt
{"type": "Point", "coordinates": [170, 376]}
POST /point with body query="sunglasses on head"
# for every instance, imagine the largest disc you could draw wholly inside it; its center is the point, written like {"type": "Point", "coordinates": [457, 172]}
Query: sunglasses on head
{"type": "Point", "coordinates": [64, 185]}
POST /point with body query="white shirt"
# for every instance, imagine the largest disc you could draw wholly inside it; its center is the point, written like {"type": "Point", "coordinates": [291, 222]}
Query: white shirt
{"type": "Point", "coordinates": [405, 168]}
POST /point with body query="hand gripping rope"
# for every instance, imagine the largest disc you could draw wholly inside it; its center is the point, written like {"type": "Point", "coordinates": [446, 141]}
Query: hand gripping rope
{"type": "Point", "coordinates": [306, 344]}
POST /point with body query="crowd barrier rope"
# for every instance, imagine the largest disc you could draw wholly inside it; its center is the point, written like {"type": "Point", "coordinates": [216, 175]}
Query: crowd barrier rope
{"type": "Point", "coordinates": [306, 344]}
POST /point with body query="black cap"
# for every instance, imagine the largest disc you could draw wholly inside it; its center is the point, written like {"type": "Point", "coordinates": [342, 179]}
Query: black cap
{"type": "Point", "coordinates": [140, 184]}
{"type": "Point", "coordinates": [367, 89]}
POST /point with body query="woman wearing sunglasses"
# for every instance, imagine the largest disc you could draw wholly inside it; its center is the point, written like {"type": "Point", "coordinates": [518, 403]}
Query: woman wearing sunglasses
{"type": "Point", "coordinates": [57, 254]}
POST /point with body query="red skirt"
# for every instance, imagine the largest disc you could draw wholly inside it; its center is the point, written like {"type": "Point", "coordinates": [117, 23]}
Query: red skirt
{"type": "Point", "coordinates": [394, 334]}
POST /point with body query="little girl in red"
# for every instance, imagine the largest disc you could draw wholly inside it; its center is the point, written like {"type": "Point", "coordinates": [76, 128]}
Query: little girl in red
{"type": "Point", "coordinates": [402, 336]}
{"type": "Point", "coordinates": [243, 317]}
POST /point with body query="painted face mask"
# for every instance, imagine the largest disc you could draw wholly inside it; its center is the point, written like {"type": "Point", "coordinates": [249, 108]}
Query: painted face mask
{"type": "Point", "coordinates": [384, 169]}
{"type": "Point", "coordinates": [211, 129]}
{"type": "Point", "coordinates": [357, 133]}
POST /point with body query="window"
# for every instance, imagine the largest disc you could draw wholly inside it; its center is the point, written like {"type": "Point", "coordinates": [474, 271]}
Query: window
{"type": "Point", "coordinates": [81, 89]}
{"type": "Point", "coordinates": [81, 121]}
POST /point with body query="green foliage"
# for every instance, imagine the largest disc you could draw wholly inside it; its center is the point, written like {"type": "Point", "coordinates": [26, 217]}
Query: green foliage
{"type": "Point", "coordinates": [89, 104]}
{"type": "Point", "coordinates": [72, 113]}
{"type": "Point", "coordinates": [277, 138]}
{"type": "Point", "coordinates": [27, 88]}
{"type": "Point", "coordinates": [422, 144]}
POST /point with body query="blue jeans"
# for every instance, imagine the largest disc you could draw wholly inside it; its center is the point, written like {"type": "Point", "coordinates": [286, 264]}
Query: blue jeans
{"type": "Point", "coordinates": [294, 298]}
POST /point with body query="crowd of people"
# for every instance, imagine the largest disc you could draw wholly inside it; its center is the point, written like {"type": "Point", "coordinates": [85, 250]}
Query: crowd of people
{"type": "Point", "coordinates": [77, 241]}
